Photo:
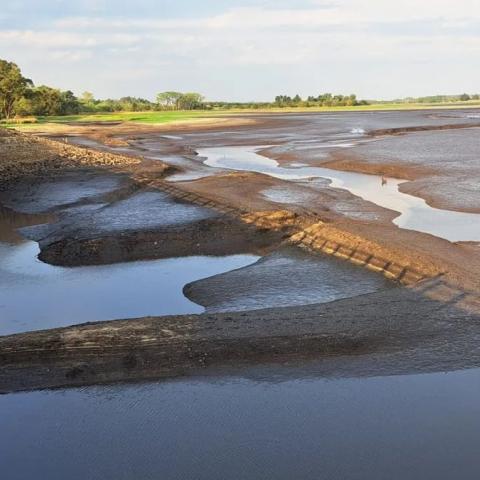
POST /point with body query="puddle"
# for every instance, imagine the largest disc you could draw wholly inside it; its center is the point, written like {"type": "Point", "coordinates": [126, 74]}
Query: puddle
{"type": "Point", "coordinates": [294, 197]}
{"type": "Point", "coordinates": [414, 213]}
{"type": "Point", "coordinates": [171, 137]}
{"type": "Point", "coordinates": [400, 427]}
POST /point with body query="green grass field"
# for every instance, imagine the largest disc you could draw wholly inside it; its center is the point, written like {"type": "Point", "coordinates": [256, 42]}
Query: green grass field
{"type": "Point", "coordinates": [140, 117]}
{"type": "Point", "coordinates": [163, 117]}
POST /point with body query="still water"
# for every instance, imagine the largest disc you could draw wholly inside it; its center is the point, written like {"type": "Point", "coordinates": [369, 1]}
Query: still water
{"type": "Point", "coordinates": [35, 295]}
{"type": "Point", "coordinates": [414, 212]}
{"type": "Point", "coordinates": [402, 427]}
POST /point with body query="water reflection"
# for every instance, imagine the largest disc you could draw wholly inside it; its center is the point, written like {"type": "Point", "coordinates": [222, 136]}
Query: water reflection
{"type": "Point", "coordinates": [11, 221]}
{"type": "Point", "coordinates": [35, 295]}
{"type": "Point", "coordinates": [418, 426]}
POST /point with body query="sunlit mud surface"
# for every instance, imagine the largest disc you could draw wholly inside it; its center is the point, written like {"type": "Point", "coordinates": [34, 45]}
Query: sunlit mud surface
{"type": "Point", "coordinates": [417, 426]}
{"type": "Point", "coordinates": [415, 213]}
{"type": "Point", "coordinates": [451, 156]}
{"type": "Point", "coordinates": [67, 189]}
{"type": "Point", "coordinates": [140, 211]}
{"type": "Point", "coordinates": [286, 277]}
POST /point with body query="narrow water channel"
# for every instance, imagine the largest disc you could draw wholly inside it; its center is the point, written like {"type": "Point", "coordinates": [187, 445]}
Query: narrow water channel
{"type": "Point", "coordinates": [414, 212]}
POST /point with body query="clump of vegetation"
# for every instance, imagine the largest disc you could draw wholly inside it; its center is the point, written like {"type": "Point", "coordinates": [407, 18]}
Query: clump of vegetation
{"type": "Point", "coordinates": [13, 86]}
{"type": "Point", "coordinates": [322, 100]}
{"type": "Point", "coordinates": [180, 101]}
{"type": "Point", "coordinates": [21, 99]}
{"type": "Point", "coordinates": [433, 99]}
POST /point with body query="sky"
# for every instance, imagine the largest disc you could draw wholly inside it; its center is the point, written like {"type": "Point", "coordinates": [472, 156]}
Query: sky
{"type": "Point", "coordinates": [246, 50]}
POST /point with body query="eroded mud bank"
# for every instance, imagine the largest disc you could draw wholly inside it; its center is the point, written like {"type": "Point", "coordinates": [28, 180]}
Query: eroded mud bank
{"type": "Point", "coordinates": [412, 334]}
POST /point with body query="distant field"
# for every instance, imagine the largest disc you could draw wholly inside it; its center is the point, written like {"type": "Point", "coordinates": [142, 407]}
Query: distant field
{"type": "Point", "coordinates": [175, 116]}
{"type": "Point", "coordinates": [139, 117]}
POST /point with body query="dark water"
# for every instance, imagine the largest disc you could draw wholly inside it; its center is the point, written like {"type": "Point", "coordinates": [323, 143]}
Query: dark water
{"type": "Point", "coordinates": [404, 427]}
{"type": "Point", "coordinates": [35, 295]}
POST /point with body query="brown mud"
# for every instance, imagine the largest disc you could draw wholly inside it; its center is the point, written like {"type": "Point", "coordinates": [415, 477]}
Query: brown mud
{"type": "Point", "coordinates": [420, 328]}
{"type": "Point", "coordinates": [384, 333]}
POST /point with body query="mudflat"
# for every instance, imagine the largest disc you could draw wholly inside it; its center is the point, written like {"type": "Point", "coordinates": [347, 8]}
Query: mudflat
{"type": "Point", "coordinates": [147, 194]}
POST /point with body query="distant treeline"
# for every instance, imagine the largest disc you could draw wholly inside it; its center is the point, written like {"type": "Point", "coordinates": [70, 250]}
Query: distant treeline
{"type": "Point", "coordinates": [283, 101]}
{"type": "Point", "coordinates": [19, 97]}
{"type": "Point", "coordinates": [463, 97]}
{"type": "Point", "coordinates": [322, 100]}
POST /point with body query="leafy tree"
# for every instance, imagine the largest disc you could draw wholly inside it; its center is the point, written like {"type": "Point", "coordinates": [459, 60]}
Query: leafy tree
{"type": "Point", "coordinates": [322, 100]}
{"type": "Point", "coordinates": [190, 101]}
{"type": "Point", "coordinates": [46, 101]}
{"type": "Point", "coordinates": [87, 97]}
{"type": "Point", "coordinates": [69, 103]}
{"type": "Point", "coordinates": [180, 101]}
{"type": "Point", "coordinates": [12, 87]}
{"type": "Point", "coordinates": [169, 100]}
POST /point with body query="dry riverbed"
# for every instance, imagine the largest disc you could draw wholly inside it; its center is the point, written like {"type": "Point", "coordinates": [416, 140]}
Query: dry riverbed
{"type": "Point", "coordinates": [116, 202]}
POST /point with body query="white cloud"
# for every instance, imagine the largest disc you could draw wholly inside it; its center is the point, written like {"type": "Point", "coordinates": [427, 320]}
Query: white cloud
{"type": "Point", "coordinates": [377, 36]}
{"type": "Point", "coordinates": [341, 13]}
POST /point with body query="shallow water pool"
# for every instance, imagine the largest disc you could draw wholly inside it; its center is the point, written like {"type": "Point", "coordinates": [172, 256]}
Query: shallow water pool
{"type": "Point", "coordinates": [35, 295]}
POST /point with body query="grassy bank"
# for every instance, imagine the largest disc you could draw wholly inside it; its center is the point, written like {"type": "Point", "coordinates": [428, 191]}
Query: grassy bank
{"type": "Point", "coordinates": [163, 117]}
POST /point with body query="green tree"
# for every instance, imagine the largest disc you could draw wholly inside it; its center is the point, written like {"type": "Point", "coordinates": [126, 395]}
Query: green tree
{"type": "Point", "coordinates": [69, 103]}
{"type": "Point", "coordinates": [87, 97]}
{"type": "Point", "coordinates": [169, 100]}
{"type": "Point", "coordinates": [13, 86]}
{"type": "Point", "coordinates": [51, 101]}
{"type": "Point", "coordinates": [46, 101]}
{"type": "Point", "coordinates": [190, 101]}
